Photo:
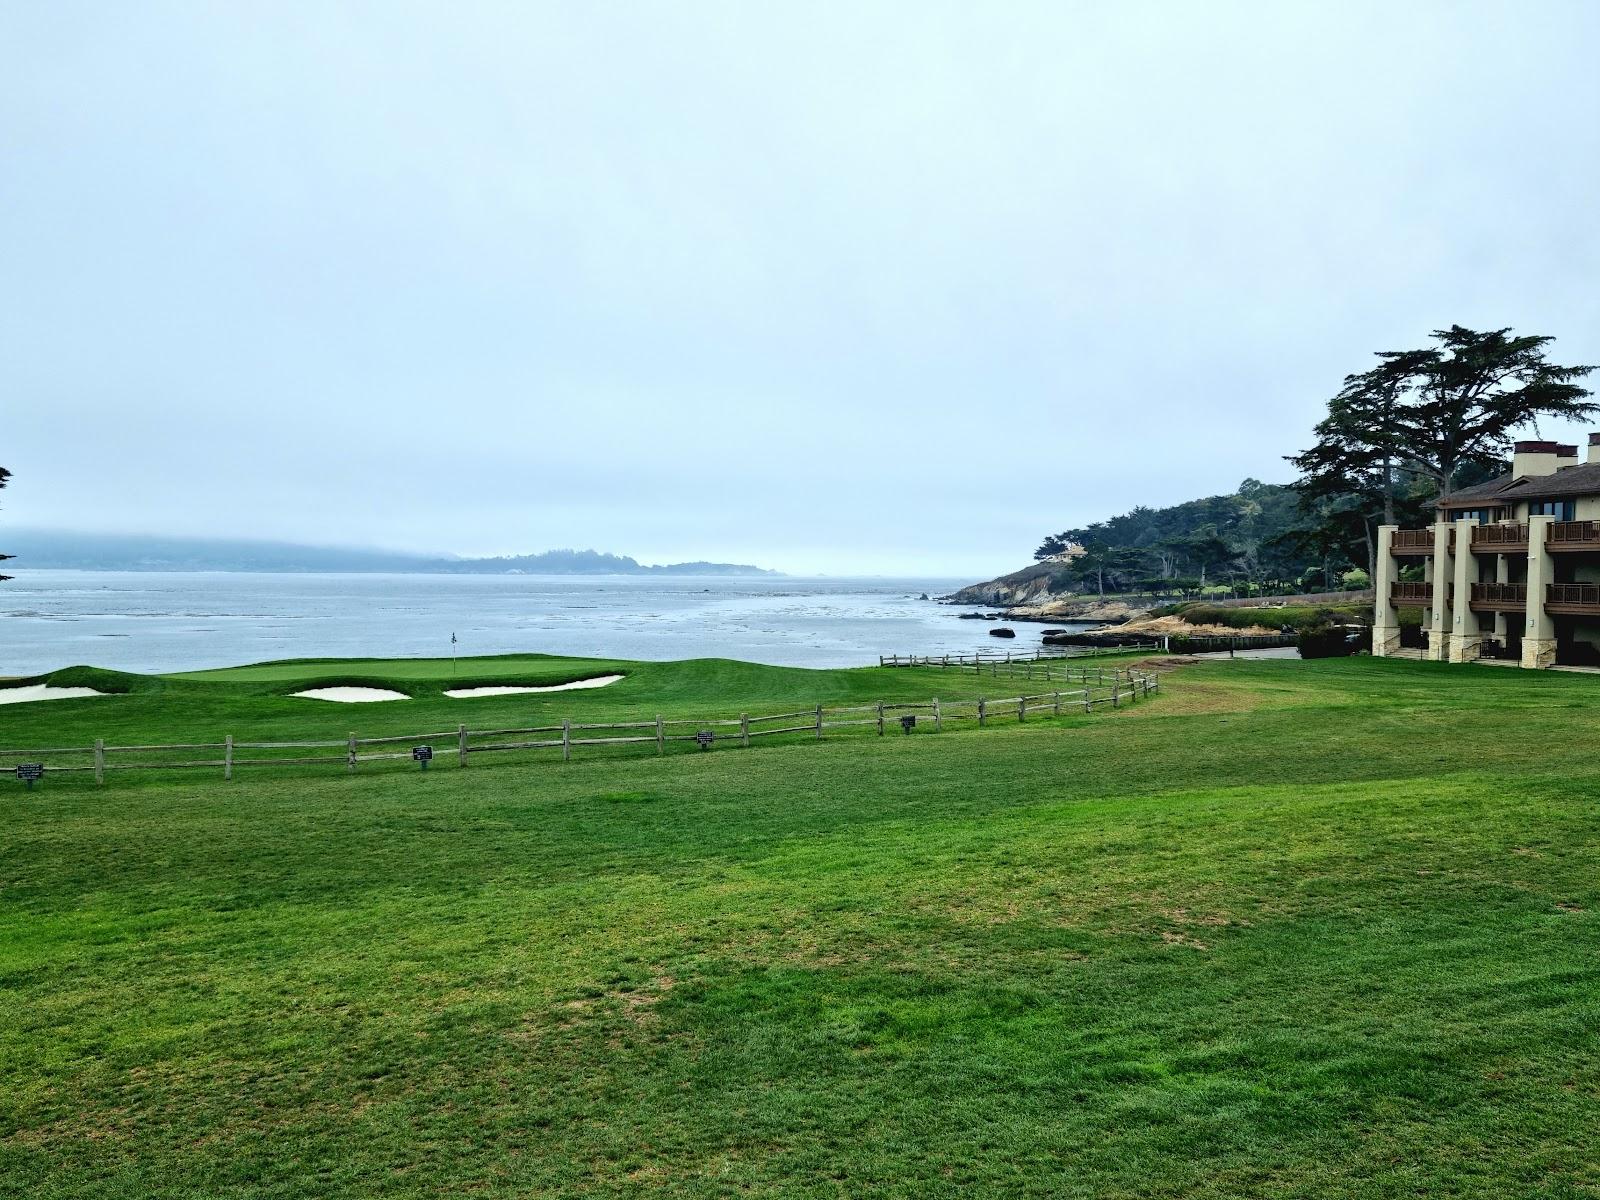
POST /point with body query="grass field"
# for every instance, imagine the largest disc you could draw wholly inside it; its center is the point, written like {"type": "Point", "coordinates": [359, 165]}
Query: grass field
{"type": "Point", "coordinates": [1286, 929]}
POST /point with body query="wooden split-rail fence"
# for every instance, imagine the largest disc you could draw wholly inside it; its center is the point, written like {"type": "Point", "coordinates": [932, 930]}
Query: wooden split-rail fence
{"type": "Point", "coordinates": [987, 658]}
{"type": "Point", "coordinates": [1115, 687]}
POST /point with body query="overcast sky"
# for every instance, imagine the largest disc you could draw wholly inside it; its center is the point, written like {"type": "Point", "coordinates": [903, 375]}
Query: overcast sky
{"type": "Point", "coordinates": [825, 287]}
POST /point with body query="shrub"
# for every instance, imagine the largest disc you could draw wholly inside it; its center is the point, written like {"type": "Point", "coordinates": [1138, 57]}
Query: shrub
{"type": "Point", "coordinates": [1285, 617]}
{"type": "Point", "coordinates": [1324, 638]}
{"type": "Point", "coordinates": [1355, 579]}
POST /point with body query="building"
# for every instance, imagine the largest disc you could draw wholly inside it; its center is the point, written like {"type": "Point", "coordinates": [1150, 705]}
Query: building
{"type": "Point", "coordinates": [1510, 569]}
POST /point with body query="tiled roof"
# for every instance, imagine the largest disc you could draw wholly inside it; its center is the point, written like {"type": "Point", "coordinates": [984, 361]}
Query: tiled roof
{"type": "Point", "coordinates": [1582, 479]}
{"type": "Point", "coordinates": [1479, 491]}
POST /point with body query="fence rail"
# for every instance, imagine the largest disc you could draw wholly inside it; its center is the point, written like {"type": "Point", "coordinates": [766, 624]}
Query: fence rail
{"type": "Point", "coordinates": [985, 657]}
{"type": "Point", "coordinates": [1097, 686]}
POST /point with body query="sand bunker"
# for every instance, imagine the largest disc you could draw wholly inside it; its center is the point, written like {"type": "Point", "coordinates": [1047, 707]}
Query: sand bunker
{"type": "Point", "coordinates": [43, 691]}
{"type": "Point", "coordinates": [469, 693]}
{"type": "Point", "coordinates": [352, 695]}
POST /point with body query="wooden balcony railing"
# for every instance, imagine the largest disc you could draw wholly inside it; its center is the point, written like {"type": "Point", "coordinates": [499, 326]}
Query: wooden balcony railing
{"type": "Point", "coordinates": [1412, 541]}
{"type": "Point", "coordinates": [1500, 595]}
{"type": "Point", "coordinates": [1574, 535]}
{"type": "Point", "coordinates": [1411, 593]}
{"type": "Point", "coordinates": [1498, 539]}
{"type": "Point", "coordinates": [1580, 599]}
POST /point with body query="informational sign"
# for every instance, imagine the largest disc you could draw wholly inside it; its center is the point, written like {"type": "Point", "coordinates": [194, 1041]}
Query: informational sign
{"type": "Point", "coordinates": [705, 737]}
{"type": "Point", "coordinates": [423, 754]}
{"type": "Point", "coordinates": [908, 722]}
{"type": "Point", "coordinates": [28, 772]}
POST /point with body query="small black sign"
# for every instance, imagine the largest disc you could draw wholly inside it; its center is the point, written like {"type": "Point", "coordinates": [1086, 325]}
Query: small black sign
{"type": "Point", "coordinates": [908, 722]}
{"type": "Point", "coordinates": [28, 772]}
{"type": "Point", "coordinates": [705, 737]}
{"type": "Point", "coordinates": [423, 754]}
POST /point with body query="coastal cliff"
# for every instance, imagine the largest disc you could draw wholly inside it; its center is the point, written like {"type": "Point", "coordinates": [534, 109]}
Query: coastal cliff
{"type": "Point", "coordinates": [1034, 584]}
{"type": "Point", "coordinates": [1041, 592]}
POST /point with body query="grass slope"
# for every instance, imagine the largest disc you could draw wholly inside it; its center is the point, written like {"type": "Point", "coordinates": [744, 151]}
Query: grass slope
{"type": "Point", "coordinates": [257, 702]}
{"type": "Point", "coordinates": [1271, 934]}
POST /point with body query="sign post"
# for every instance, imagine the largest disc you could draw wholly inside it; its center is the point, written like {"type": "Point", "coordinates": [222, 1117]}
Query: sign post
{"type": "Point", "coordinates": [423, 755]}
{"type": "Point", "coordinates": [704, 739]}
{"type": "Point", "coordinates": [28, 772]}
{"type": "Point", "coordinates": [908, 723]}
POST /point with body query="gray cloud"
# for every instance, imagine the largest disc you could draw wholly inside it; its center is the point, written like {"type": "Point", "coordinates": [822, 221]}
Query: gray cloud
{"type": "Point", "coordinates": [885, 287]}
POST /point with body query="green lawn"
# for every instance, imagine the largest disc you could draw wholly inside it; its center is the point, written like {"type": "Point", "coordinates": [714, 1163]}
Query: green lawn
{"type": "Point", "coordinates": [1286, 929]}
{"type": "Point", "coordinates": [256, 703]}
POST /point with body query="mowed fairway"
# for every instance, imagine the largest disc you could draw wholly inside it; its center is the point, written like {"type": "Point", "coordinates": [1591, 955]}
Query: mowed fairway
{"type": "Point", "coordinates": [1284, 929]}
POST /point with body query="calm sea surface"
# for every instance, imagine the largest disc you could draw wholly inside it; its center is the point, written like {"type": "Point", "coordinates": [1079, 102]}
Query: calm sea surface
{"type": "Point", "coordinates": [170, 621]}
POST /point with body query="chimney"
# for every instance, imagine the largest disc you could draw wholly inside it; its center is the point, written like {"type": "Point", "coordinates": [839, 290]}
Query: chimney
{"type": "Point", "coordinates": [1535, 458]}
{"type": "Point", "coordinates": [1594, 448]}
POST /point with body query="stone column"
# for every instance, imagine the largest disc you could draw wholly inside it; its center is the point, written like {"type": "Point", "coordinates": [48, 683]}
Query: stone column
{"type": "Point", "coordinates": [1465, 636]}
{"type": "Point", "coordinates": [1385, 617]}
{"type": "Point", "coordinates": [1444, 570]}
{"type": "Point", "coordinates": [1539, 634]}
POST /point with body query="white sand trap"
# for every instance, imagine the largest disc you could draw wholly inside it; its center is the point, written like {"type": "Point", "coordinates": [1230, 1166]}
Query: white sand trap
{"type": "Point", "coordinates": [43, 691]}
{"type": "Point", "coordinates": [352, 695]}
{"type": "Point", "coordinates": [468, 693]}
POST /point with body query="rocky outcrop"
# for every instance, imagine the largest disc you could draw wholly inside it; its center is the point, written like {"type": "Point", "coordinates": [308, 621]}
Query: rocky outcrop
{"type": "Point", "coordinates": [1079, 608]}
{"type": "Point", "coordinates": [1031, 585]}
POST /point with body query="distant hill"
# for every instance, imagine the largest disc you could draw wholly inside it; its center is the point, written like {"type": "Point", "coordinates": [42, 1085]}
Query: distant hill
{"type": "Point", "coordinates": [131, 552]}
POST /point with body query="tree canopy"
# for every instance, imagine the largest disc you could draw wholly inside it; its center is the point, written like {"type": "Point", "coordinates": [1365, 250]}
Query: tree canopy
{"type": "Point", "coordinates": [1423, 422]}
{"type": "Point", "coordinates": [1417, 424]}
{"type": "Point", "coordinates": [1240, 536]}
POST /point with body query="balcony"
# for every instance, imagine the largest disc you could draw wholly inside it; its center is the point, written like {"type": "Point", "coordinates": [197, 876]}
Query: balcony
{"type": "Point", "coordinates": [1568, 536]}
{"type": "Point", "coordinates": [1412, 541]}
{"type": "Point", "coordinates": [1573, 599]}
{"type": "Point", "coordinates": [1411, 593]}
{"type": "Point", "coordinates": [1510, 537]}
{"type": "Point", "coordinates": [1499, 597]}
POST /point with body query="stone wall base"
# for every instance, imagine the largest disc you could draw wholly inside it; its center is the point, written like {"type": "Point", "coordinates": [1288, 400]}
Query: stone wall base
{"type": "Point", "coordinates": [1464, 647]}
{"type": "Point", "coordinates": [1385, 641]}
{"type": "Point", "coordinates": [1538, 653]}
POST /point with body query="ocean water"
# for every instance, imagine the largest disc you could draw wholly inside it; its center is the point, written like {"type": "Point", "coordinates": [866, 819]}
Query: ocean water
{"type": "Point", "coordinates": [172, 621]}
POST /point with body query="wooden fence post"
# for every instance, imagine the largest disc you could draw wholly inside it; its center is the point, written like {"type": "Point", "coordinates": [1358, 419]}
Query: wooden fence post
{"type": "Point", "coordinates": [461, 744]}
{"type": "Point", "coordinates": [661, 735]}
{"type": "Point", "coordinates": [227, 757]}
{"type": "Point", "coordinates": [1057, 703]}
{"type": "Point", "coordinates": [1115, 697]}
{"type": "Point", "coordinates": [566, 741]}
{"type": "Point", "coordinates": [1022, 709]}
{"type": "Point", "coordinates": [880, 718]}
{"type": "Point", "coordinates": [744, 730]}
{"type": "Point", "coordinates": [1088, 699]}
{"type": "Point", "coordinates": [99, 760]}
{"type": "Point", "coordinates": [819, 722]}
{"type": "Point", "coordinates": [350, 753]}
{"type": "Point", "coordinates": [938, 720]}
{"type": "Point", "coordinates": [980, 712]}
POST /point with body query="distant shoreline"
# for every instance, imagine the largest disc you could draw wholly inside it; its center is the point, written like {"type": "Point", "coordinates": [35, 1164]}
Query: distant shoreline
{"type": "Point", "coordinates": [75, 551]}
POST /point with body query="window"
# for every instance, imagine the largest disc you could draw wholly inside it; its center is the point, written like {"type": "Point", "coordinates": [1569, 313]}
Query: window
{"type": "Point", "coordinates": [1561, 510]}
